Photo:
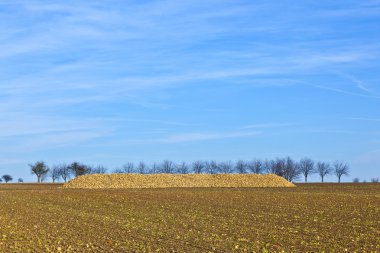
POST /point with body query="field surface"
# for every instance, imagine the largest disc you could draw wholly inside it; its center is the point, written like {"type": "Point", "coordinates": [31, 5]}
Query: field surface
{"type": "Point", "coordinates": [307, 218]}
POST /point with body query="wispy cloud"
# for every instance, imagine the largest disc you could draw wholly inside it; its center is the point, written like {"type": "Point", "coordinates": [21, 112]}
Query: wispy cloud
{"type": "Point", "coordinates": [364, 119]}
{"type": "Point", "coordinates": [204, 136]}
{"type": "Point", "coordinates": [344, 91]}
{"type": "Point", "coordinates": [362, 9]}
{"type": "Point", "coordinates": [361, 85]}
{"type": "Point", "coordinates": [31, 126]}
{"type": "Point", "coordinates": [103, 72]}
{"type": "Point", "coordinates": [338, 90]}
{"type": "Point", "coordinates": [358, 83]}
{"type": "Point", "coordinates": [25, 133]}
{"type": "Point", "coordinates": [332, 131]}
{"type": "Point", "coordinates": [269, 125]}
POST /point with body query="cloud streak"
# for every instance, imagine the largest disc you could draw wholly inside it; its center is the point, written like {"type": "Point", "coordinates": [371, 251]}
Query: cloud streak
{"type": "Point", "coordinates": [268, 125]}
{"type": "Point", "coordinates": [365, 119]}
{"type": "Point", "coordinates": [205, 136]}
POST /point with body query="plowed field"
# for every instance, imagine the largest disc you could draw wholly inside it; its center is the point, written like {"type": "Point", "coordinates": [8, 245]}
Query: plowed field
{"type": "Point", "coordinates": [307, 218]}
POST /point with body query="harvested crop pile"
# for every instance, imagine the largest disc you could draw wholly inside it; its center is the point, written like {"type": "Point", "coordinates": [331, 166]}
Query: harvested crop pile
{"type": "Point", "coordinates": [118, 181]}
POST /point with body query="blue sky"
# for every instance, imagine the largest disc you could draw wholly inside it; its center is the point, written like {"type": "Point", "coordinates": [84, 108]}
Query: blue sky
{"type": "Point", "coordinates": [108, 82]}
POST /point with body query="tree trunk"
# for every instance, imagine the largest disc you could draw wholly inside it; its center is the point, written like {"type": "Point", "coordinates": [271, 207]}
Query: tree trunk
{"type": "Point", "coordinates": [306, 179]}
{"type": "Point", "coordinates": [322, 179]}
{"type": "Point", "coordinates": [338, 179]}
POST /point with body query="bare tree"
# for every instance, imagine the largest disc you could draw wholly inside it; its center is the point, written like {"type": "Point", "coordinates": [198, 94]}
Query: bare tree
{"type": "Point", "coordinates": [256, 166]}
{"type": "Point", "coordinates": [182, 168]}
{"type": "Point", "coordinates": [64, 172]}
{"type": "Point", "coordinates": [306, 167]}
{"type": "Point", "coordinates": [127, 168]}
{"type": "Point", "coordinates": [291, 170]}
{"type": "Point", "coordinates": [100, 169]}
{"type": "Point", "coordinates": [340, 169]}
{"type": "Point", "coordinates": [154, 168]}
{"type": "Point", "coordinates": [40, 170]}
{"type": "Point", "coordinates": [226, 167]}
{"type": "Point", "coordinates": [118, 171]}
{"type": "Point", "coordinates": [7, 178]}
{"type": "Point", "coordinates": [211, 167]}
{"type": "Point", "coordinates": [141, 168]}
{"type": "Point", "coordinates": [54, 173]}
{"type": "Point", "coordinates": [198, 167]}
{"type": "Point", "coordinates": [79, 169]}
{"type": "Point", "coordinates": [241, 167]}
{"type": "Point", "coordinates": [323, 169]}
{"type": "Point", "coordinates": [270, 166]}
{"type": "Point", "coordinates": [277, 167]}
{"type": "Point", "coordinates": [167, 167]}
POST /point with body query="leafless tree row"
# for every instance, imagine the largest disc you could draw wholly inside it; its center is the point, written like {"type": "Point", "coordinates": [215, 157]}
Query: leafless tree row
{"type": "Point", "coordinates": [63, 171]}
{"type": "Point", "coordinates": [286, 167]}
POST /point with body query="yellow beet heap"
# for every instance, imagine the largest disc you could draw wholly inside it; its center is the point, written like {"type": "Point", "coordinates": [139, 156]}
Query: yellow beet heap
{"type": "Point", "coordinates": [121, 181]}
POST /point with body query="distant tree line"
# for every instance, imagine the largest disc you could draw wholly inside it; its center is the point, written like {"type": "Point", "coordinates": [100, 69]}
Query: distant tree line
{"type": "Point", "coordinates": [8, 178]}
{"type": "Point", "coordinates": [63, 171]}
{"type": "Point", "coordinates": [286, 167]}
